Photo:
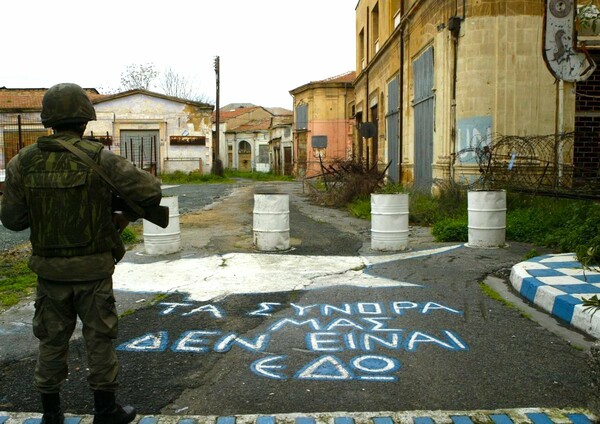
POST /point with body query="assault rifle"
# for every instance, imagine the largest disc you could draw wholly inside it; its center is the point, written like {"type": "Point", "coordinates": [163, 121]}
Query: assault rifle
{"type": "Point", "coordinates": [158, 215]}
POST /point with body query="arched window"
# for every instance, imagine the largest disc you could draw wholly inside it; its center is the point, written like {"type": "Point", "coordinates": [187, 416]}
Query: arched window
{"type": "Point", "coordinates": [244, 147]}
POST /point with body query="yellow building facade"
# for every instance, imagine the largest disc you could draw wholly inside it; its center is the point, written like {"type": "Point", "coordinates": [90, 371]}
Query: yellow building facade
{"type": "Point", "coordinates": [323, 124]}
{"type": "Point", "coordinates": [440, 77]}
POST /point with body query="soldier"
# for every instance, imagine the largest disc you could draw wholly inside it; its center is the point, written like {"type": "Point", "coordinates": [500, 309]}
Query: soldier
{"type": "Point", "coordinates": [75, 245]}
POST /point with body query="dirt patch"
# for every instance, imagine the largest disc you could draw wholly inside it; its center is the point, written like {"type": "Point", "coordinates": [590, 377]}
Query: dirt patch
{"type": "Point", "coordinates": [225, 225]}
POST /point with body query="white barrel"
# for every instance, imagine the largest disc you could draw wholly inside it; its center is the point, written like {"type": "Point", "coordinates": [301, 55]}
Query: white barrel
{"type": "Point", "coordinates": [389, 221]}
{"type": "Point", "coordinates": [271, 222]}
{"type": "Point", "coordinates": [487, 218]}
{"type": "Point", "coordinates": [162, 241]}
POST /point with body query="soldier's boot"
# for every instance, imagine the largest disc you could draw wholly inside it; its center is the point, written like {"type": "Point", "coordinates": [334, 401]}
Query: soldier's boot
{"type": "Point", "coordinates": [52, 412]}
{"type": "Point", "coordinates": [108, 411]}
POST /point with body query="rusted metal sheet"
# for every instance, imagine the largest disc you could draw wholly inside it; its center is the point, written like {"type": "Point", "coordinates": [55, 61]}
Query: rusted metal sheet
{"type": "Point", "coordinates": [176, 140]}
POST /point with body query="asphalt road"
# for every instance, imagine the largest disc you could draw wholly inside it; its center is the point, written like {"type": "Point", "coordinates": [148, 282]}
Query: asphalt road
{"type": "Point", "coordinates": [191, 198]}
{"type": "Point", "coordinates": [422, 336]}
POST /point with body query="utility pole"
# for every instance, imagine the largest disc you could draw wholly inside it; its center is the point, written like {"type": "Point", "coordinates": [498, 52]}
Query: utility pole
{"type": "Point", "coordinates": [217, 163]}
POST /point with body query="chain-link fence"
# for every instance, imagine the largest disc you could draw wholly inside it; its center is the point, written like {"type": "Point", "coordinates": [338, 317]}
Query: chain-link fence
{"type": "Point", "coordinates": [550, 164]}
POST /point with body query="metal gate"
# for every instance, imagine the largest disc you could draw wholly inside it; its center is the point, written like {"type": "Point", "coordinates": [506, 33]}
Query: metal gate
{"type": "Point", "coordinates": [423, 109]}
{"type": "Point", "coordinates": [142, 149]}
{"type": "Point", "coordinates": [393, 139]}
{"type": "Point", "coordinates": [18, 131]}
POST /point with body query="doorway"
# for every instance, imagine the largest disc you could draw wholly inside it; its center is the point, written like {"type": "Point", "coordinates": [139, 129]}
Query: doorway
{"type": "Point", "coordinates": [423, 109]}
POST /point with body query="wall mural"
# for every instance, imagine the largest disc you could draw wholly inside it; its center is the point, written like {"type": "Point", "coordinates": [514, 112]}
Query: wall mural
{"type": "Point", "coordinates": [363, 327]}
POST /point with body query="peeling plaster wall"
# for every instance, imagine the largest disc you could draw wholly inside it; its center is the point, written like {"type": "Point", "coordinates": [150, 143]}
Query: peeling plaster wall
{"type": "Point", "coordinates": [255, 139]}
{"type": "Point", "coordinates": [169, 118]}
{"type": "Point", "coordinates": [286, 141]}
{"type": "Point", "coordinates": [327, 116]}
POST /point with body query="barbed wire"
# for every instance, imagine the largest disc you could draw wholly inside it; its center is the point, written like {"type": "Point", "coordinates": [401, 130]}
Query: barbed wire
{"type": "Point", "coordinates": [545, 164]}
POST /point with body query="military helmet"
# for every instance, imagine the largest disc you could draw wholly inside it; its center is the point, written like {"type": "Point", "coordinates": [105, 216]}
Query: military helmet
{"type": "Point", "coordinates": [66, 103]}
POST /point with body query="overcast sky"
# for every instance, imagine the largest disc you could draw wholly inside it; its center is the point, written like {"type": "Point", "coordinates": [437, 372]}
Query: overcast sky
{"type": "Point", "coordinates": [266, 47]}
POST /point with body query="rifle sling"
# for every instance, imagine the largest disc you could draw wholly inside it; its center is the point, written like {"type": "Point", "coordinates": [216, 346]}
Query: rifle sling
{"type": "Point", "coordinates": [88, 161]}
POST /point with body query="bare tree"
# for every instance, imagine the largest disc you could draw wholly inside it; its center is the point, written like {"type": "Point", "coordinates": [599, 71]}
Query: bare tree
{"type": "Point", "coordinates": [177, 85]}
{"type": "Point", "coordinates": [138, 76]}
{"type": "Point", "coordinates": [171, 83]}
{"type": "Point", "coordinates": [174, 84]}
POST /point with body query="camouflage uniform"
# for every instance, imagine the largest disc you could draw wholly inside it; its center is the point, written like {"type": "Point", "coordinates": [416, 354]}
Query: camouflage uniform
{"type": "Point", "coordinates": [75, 246]}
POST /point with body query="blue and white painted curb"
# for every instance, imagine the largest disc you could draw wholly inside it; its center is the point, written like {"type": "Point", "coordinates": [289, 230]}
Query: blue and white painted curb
{"type": "Point", "coordinates": [557, 284]}
{"type": "Point", "coordinates": [508, 416]}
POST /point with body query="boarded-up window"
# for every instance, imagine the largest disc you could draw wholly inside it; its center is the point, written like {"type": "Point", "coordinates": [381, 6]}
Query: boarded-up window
{"type": "Point", "coordinates": [319, 141]}
{"type": "Point", "coordinates": [302, 117]}
{"type": "Point", "coordinates": [176, 140]}
{"type": "Point", "coordinates": [263, 154]}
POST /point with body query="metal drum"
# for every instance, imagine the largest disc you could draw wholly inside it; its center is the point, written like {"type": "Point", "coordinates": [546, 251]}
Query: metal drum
{"type": "Point", "coordinates": [487, 218]}
{"type": "Point", "coordinates": [162, 241]}
{"type": "Point", "coordinates": [271, 222]}
{"type": "Point", "coordinates": [389, 221]}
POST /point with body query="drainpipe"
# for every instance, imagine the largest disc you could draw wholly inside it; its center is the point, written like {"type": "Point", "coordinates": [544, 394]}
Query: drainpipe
{"type": "Point", "coordinates": [455, 30]}
{"type": "Point", "coordinates": [401, 97]}
{"type": "Point", "coordinates": [366, 106]}
{"type": "Point", "coordinates": [560, 129]}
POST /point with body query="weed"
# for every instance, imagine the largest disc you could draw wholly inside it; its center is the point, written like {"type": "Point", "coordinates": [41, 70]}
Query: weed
{"type": "Point", "coordinates": [158, 298]}
{"type": "Point", "coordinates": [589, 254]}
{"type": "Point", "coordinates": [127, 313]}
{"type": "Point", "coordinates": [494, 295]}
{"type": "Point", "coordinates": [450, 229]}
{"type": "Point", "coordinates": [390, 188]}
{"type": "Point", "coordinates": [592, 304]}
{"type": "Point", "coordinates": [360, 207]}
{"type": "Point", "coordinates": [257, 176]}
{"type": "Point", "coordinates": [129, 236]}
{"type": "Point", "coordinates": [195, 177]}
{"type": "Point", "coordinates": [179, 177]}
{"type": "Point", "coordinates": [531, 254]}
{"type": "Point", "coordinates": [17, 281]}
{"type": "Point", "coordinates": [526, 316]}
{"type": "Point", "coordinates": [577, 347]}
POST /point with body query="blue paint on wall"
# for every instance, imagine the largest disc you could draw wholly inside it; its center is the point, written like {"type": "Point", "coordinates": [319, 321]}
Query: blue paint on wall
{"type": "Point", "coordinates": [473, 132]}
